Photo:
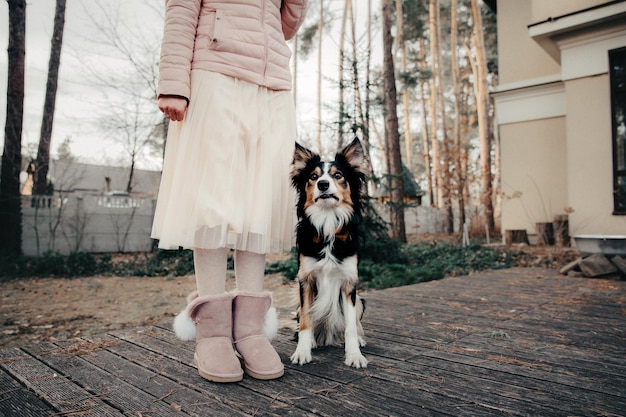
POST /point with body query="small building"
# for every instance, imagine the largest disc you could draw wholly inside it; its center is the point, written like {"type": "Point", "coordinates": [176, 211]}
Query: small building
{"type": "Point", "coordinates": [72, 178]}
{"type": "Point", "coordinates": [89, 210]}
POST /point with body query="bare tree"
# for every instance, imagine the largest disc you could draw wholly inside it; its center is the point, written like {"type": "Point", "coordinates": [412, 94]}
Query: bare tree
{"type": "Point", "coordinates": [392, 135]}
{"type": "Point", "coordinates": [445, 173]}
{"type": "Point", "coordinates": [433, 7]}
{"type": "Point", "coordinates": [10, 210]}
{"type": "Point", "coordinates": [130, 116]}
{"type": "Point", "coordinates": [43, 152]}
{"type": "Point", "coordinates": [423, 83]}
{"type": "Point", "coordinates": [457, 112]}
{"type": "Point", "coordinates": [401, 46]}
{"type": "Point", "coordinates": [482, 99]}
{"type": "Point", "coordinates": [342, 59]}
{"type": "Point", "coordinates": [368, 63]}
{"type": "Point", "coordinates": [320, 31]}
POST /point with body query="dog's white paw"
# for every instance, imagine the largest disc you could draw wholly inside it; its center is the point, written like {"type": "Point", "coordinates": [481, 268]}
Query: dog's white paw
{"type": "Point", "coordinates": [301, 356]}
{"type": "Point", "coordinates": [356, 360]}
{"type": "Point", "coordinates": [362, 342]}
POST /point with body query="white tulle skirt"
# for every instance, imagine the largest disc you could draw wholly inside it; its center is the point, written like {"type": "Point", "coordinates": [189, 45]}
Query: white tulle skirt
{"type": "Point", "coordinates": [225, 180]}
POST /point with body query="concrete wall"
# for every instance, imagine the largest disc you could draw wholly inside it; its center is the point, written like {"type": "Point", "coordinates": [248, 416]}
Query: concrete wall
{"type": "Point", "coordinates": [534, 169]}
{"type": "Point", "coordinates": [542, 9]}
{"type": "Point", "coordinates": [89, 224]}
{"type": "Point", "coordinates": [589, 155]}
{"type": "Point", "coordinates": [514, 16]}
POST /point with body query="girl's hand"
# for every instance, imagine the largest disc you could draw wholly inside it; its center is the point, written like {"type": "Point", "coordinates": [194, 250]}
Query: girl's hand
{"type": "Point", "coordinates": [173, 107]}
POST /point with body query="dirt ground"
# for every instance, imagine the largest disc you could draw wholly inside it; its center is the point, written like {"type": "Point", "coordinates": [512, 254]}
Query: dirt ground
{"type": "Point", "coordinates": [50, 309]}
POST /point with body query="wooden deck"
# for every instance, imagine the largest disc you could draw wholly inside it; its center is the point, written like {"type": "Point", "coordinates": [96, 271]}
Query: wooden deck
{"type": "Point", "coordinates": [511, 342]}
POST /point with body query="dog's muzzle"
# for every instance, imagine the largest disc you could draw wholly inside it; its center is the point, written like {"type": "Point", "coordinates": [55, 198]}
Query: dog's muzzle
{"type": "Point", "coordinates": [323, 186]}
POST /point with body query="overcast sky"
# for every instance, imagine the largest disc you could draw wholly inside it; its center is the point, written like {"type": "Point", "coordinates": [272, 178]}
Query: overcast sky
{"type": "Point", "coordinates": [78, 102]}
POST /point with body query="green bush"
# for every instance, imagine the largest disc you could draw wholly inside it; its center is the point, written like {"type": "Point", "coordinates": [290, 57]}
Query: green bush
{"type": "Point", "coordinates": [383, 263]}
{"type": "Point", "coordinates": [288, 268]}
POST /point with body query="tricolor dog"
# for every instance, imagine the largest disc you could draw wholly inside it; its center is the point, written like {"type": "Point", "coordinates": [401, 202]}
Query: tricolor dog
{"type": "Point", "coordinates": [329, 212]}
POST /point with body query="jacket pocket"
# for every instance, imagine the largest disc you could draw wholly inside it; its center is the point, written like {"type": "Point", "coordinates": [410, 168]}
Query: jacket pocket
{"type": "Point", "coordinates": [208, 32]}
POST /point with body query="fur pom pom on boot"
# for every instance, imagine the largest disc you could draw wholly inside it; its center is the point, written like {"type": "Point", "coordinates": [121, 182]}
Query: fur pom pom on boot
{"type": "Point", "coordinates": [185, 328]}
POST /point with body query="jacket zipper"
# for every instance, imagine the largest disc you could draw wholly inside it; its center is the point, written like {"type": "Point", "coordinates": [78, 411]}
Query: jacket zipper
{"type": "Point", "coordinates": [265, 43]}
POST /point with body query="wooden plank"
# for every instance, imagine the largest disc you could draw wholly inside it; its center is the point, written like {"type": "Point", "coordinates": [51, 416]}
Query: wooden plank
{"type": "Point", "coordinates": [53, 386]}
{"type": "Point", "coordinates": [310, 387]}
{"type": "Point", "coordinates": [16, 400]}
{"type": "Point", "coordinates": [565, 396]}
{"type": "Point", "coordinates": [101, 383]}
{"type": "Point", "coordinates": [569, 371]}
{"type": "Point", "coordinates": [234, 396]}
{"type": "Point", "coordinates": [487, 393]}
{"type": "Point", "coordinates": [148, 379]}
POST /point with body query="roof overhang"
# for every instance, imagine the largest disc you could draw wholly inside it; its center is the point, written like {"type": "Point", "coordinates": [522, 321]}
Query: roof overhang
{"type": "Point", "coordinates": [548, 32]}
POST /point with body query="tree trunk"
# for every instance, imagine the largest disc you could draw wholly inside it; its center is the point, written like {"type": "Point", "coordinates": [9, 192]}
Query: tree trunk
{"type": "Point", "coordinates": [320, 32]}
{"type": "Point", "coordinates": [358, 102]}
{"type": "Point", "coordinates": [408, 148]}
{"type": "Point", "coordinates": [43, 151]}
{"type": "Point", "coordinates": [366, 122]}
{"type": "Point", "coordinates": [392, 136]}
{"type": "Point", "coordinates": [432, 100]}
{"type": "Point", "coordinates": [425, 132]}
{"type": "Point", "coordinates": [482, 100]}
{"type": "Point", "coordinates": [445, 152]}
{"type": "Point", "coordinates": [10, 210]}
{"type": "Point", "coordinates": [342, 58]}
{"type": "Point", "coordinates": [457, 113]}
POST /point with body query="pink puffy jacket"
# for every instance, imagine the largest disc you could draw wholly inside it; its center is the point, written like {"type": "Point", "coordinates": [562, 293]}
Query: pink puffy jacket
{"type": "Point", "coordinates": [245, 39]}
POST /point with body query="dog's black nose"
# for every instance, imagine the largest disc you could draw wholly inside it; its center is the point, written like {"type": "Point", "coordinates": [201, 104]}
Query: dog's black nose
{"type": "Point", "coordinates": [323, 185]}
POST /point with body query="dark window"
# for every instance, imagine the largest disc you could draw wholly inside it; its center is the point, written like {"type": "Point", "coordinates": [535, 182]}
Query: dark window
{"type": "Point", "coordinates": [617, 64]}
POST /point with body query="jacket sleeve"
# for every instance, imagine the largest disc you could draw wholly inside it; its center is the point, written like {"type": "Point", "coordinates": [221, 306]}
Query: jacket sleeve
{"type": "Point", "coordinates": [292, 13]}
{"type": "Point", "coordinates": [181, 21]}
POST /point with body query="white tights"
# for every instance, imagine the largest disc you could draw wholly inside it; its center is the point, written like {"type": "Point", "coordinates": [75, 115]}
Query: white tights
{"type": "Point", "coordinates": [210, 268]}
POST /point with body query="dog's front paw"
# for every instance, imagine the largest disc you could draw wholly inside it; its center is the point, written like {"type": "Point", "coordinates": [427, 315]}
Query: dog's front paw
{"type": "Point", "coordinates": [301, 356]}
{"type": "Point", "coordinates": [356, 360]}
{"type": "Point", "coordinates": [362, 342]}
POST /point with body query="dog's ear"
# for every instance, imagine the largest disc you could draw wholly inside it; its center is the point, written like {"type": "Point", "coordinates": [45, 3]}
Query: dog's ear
{"type": "Point", "coordinates": [355, 156]}
{"type": "Point", "coordinates": [301, 157]}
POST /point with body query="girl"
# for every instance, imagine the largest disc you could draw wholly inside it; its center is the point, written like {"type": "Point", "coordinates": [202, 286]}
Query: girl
{"type": "Point", "coordinates": [225, 85]}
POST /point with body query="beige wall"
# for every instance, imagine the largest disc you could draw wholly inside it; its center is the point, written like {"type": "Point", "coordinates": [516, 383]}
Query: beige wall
{"type": "Point", "coordinates": [589, 154]}
{"type": "Point", "coordinates": [533, 172]}
{"type": "Point", "coordinates": [514, 16]}
{"type": "Point", "coordinates": [543, 9]}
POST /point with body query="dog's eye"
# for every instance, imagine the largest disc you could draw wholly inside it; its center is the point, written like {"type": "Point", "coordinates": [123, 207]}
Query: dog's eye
{"type": "Point", "coordinates": [338, 175]}
{"type": "Point", "coordinates": [314, 177]}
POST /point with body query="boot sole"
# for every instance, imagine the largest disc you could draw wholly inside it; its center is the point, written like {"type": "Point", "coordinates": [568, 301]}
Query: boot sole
{"type": "Point", "coordinates": [264, 377]}
{"type": "Point", "coordinates": [217, 378]}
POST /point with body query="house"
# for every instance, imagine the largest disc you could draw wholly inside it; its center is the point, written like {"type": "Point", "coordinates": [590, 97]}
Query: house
{"type": "Point", "coordinates": [78, 179]}
{"type": "Point", "coordinates": [90, 209]}
{"type": "Point", "coordinates": [560, 110]}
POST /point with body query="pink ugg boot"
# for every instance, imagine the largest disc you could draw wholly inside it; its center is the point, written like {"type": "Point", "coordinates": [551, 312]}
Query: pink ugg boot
{"type": "Point", "coordinates": [260, 359]}
{"type": "Point", "coordinates": [215, 357]}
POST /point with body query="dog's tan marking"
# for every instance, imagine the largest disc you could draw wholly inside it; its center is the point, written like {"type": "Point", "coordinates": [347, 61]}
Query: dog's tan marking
{"type": "Point", "coordinates": [310, 188]}
{"type": "Point", "coordinates": [342, 185]}
{"type": "Point", "coordinates": [306, 301]}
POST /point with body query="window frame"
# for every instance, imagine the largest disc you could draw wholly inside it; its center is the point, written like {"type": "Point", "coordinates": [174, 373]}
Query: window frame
{"type": "Point", "coordinates": [617, 173]}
